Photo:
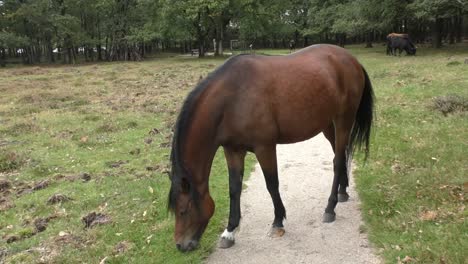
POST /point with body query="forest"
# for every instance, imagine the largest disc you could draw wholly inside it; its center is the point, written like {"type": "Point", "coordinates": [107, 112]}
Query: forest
{"type": "Point", "coordinates": [70, 31]}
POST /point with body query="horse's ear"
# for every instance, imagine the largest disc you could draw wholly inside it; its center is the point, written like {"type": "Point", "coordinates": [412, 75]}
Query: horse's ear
{"type": "Point", "coordinates": [185, 185]}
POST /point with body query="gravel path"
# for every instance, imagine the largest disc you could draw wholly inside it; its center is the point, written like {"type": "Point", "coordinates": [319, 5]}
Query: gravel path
{"type": "Point", "coordinates": [306, 174]}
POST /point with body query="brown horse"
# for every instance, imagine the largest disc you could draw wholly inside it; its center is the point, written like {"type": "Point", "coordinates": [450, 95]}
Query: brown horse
{"type": "Point", "coordinates": [251, 103]}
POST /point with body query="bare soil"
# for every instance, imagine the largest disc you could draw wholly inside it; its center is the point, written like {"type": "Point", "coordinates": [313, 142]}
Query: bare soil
{"type": "Point", "coordinates": [306, 174]}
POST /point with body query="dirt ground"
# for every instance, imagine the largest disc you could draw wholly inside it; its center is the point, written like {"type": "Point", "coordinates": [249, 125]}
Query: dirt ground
{"type": "Point", "coordinates": [306, 172]}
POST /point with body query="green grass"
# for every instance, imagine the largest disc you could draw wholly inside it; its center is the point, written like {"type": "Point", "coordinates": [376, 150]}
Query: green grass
{"type": "Point", "coordinates": [57, 122]}
{"type": "Point", "coordinates": [413, 186]}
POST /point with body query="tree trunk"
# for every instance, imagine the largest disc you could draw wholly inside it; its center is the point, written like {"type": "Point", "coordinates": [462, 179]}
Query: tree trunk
{"type": "Point", "coordinates": [220, 41]}
{"type": "Point", "coordinates": [459, 28]}
{"type": "Point", "coordinates": [99, 52]}
{"type": "Point", "coordinates": [436, 33]}
{"type": "Point", "coordinates": [452, 29]}
{"type": "Point", "coordinates": [51, 53]}
{"type": "Point", "coordinates": [369, 40]}
{"type": "Point", "coordinates": [69, 53]}
{"type": "Point", "coordinates": [2, 57]}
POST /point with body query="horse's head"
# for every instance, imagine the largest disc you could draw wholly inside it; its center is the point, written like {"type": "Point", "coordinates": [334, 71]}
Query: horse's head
{"type": "Point", "coordinates": [192, 210]}
{"type": "Point", "coordinates": [412, 49]}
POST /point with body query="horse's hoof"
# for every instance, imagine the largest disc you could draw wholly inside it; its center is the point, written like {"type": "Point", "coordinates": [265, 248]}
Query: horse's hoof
{"type": "Point", "coordinates": [328, 217]}
{"type": "Point", "coordinates": [226, 243]}
{"type": "Point", "coordinates": [343, 197]}
{"type": "Point", "coordinates": [276, 232]}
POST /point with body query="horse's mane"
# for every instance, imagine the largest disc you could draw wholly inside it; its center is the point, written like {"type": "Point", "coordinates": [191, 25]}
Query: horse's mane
{"type": "Point", "coordinates": [179, 174]}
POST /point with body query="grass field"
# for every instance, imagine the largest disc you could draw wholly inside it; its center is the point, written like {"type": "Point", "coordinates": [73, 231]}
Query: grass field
{"type": "Point", "coordinates": [414, 185]}
{"type": "Point", "coordinates": [99, 135]}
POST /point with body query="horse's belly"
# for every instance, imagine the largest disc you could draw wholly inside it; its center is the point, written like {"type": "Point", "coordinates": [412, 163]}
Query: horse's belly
{"type": "Point", "coordinates": [296, 129]}
{"type": "Point", "coordinates": [306, 116]}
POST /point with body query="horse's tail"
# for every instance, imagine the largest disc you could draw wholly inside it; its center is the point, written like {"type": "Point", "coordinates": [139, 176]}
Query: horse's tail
{"type": "Point", "coordinates": [360, 134]}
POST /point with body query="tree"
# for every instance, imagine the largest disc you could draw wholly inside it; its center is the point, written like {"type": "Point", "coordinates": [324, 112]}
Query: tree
{"type": "Point", "coordinates": [438, 12]}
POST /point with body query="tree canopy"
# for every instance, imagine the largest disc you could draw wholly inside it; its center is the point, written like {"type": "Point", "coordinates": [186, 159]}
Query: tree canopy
{"type": "Point", "coordinates": [51, 30]}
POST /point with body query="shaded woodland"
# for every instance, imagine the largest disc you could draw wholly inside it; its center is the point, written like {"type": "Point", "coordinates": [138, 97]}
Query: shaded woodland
{"type": "Point", "coordinates": [68, 31]}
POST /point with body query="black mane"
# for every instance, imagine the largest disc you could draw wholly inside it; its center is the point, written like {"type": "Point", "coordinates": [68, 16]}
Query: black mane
{"type": "Point", "coordinates": [179, 174]}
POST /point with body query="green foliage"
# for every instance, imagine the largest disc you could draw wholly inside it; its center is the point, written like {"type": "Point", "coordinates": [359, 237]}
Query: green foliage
{"type": "Point", "coordinates": [121, 29]}
{"type": "Point", "coordinates": [430, 10]}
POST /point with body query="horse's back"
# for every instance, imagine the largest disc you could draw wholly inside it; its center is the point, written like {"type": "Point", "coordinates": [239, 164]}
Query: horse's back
{"type": "Point", "coordinates": [286, 99]}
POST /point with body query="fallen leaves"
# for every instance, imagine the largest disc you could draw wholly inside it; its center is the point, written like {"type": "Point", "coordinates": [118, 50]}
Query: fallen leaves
{"type": "Point", "coordinates": [122, 247]}
{"type": "Point", "coordinates": [103, 260]}
{"type": "Point", "coordinates": [428, 215]}
{"type": "Point", "coordinates": [148, 239]}
{"type": "Point", "coordinates": [406, 259]}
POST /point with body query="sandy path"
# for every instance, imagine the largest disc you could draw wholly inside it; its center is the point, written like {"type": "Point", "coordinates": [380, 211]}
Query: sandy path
{"type": "Point", "coordinates": [305, 172]}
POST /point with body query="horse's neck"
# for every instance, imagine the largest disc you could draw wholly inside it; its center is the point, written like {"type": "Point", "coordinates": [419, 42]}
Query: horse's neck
{"type": "Point", "coordinates": [200, 147]}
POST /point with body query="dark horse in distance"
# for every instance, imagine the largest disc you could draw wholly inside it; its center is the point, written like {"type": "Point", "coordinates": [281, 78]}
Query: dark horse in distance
{"type": "Point", "coordinates": [251, 103]}
{"type": "Point", "coordinates": [401, 42]}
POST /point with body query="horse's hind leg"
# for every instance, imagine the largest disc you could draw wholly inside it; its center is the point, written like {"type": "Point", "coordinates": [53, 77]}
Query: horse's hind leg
{"type": "Point", "coordinates": [340, 178]}
{"type": "Point", "coordinates": [329, 133]}
{"type": "Point", "coordinates": [235, 162]}
{"type": "Point", "coordinates": [266, 156]}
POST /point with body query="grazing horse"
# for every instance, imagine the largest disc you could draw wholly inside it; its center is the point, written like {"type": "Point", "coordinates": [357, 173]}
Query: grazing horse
{"type": "Point", "coordinates": [251, 103]}
{"type": "Point", "coordinates": [401, 42]}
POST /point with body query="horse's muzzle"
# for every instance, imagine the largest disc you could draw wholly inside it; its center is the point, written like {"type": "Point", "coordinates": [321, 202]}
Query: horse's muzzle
{"type": "Point", "coordinates": [191, 245]}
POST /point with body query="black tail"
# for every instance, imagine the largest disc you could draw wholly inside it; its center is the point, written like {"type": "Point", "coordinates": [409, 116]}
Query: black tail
{"type": "Point", "coordinates": [362, 124]}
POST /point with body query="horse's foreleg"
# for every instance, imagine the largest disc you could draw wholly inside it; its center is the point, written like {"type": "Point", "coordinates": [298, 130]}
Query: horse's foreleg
{"type": "Point", "coordinates": [266, 156]}
{"type": "Point", "coordinates": [235, 162]}
{"type": "Point", "coordinates": [340, 178]}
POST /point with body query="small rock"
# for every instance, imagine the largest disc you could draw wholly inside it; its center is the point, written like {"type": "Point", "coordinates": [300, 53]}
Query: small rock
{"type": "Point", "coordinates": [148, 141]}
